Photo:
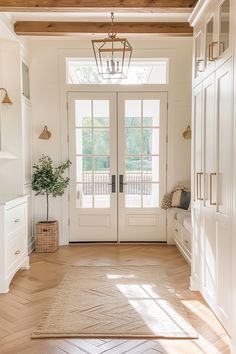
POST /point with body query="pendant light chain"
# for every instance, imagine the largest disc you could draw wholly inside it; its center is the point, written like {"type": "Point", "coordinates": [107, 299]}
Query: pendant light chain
{"type": "Point", "coordinates": [112, 35]}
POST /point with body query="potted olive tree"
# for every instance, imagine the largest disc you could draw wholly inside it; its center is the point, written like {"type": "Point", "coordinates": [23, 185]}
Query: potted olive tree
{"type": "Point", "coordinates": [48, 180]}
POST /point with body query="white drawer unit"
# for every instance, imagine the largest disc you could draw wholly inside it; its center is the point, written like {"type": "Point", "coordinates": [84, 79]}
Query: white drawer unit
{"type": "Point", "coordinates": [177, 231]}
{"type": "Point", "coordinates": [16, 218]}
{"type": "Point", "coordinates": [13, 238]}
{"type": "Point", "coordinates": [181, 231]}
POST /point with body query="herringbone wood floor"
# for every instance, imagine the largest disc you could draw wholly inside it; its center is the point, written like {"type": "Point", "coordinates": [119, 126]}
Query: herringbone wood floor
{"type": "Point", "coordinates": [31, 290]}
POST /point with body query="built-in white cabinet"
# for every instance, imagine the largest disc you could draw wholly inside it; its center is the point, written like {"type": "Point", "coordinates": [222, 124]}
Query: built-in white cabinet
{"type": "Point", "coordinates": [213, 155]}
{"type": "Point", "coordinates": [212, 37]}
{"type": "Point", "coordinates": [15, 125]}
{"type": "Point", "coordinates": [13, 238]}
{"type": "Point", "coordinates": [212, 189]}
{"type": "Point", "coordinates": [182, 230]}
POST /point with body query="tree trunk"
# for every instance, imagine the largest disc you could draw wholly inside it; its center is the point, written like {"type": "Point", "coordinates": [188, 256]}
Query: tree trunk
{"type": "Point", "coordinates": [47, 206]}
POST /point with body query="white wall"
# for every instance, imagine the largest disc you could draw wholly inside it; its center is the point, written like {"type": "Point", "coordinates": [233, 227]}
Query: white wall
{"type": "Point", "coordinates": [45, 93]}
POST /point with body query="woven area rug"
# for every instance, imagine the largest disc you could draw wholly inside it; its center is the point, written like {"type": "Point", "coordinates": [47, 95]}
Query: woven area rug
{"type": "Point", "coordinates": [124, 301]}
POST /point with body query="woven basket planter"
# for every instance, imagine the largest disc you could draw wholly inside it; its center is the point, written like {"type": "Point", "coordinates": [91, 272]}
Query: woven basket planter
{"type": "Point", "coordinates": [47, 236]}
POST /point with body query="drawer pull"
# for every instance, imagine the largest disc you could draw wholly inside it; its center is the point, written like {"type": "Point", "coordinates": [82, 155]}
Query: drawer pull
{"type": "Point", "coordinates": [17, 252]}
{"type": "Point", "coordinates": [176, 230]}
{"type": "Point", "coordinates": [186, 241]}
{"type": "Point", "coordinates": [17, 220]}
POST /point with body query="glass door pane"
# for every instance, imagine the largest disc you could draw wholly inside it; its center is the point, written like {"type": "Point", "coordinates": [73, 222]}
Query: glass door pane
{"type": "Point", "coordinates": [209, 39]}
{"type": "Point", "coordinates": [224, 26]}
{"type": "Point", "coordinates": [142, 119]}
{"type": "Point", "coordinates": [93, 153]}
{"type": "Point", "coordinates": [198, 53]}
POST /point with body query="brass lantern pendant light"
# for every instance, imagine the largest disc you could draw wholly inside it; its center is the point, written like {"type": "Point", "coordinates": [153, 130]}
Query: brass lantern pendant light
{"type": "Point", "coordinates": [112, 55]}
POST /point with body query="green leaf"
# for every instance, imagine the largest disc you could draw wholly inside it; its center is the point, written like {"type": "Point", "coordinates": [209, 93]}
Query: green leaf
{"type": "Point", "coordinates": [49, 179]}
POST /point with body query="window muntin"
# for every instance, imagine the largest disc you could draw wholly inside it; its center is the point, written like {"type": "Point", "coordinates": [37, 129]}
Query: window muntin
{"type": "Point", "coordinates": [141, 71]}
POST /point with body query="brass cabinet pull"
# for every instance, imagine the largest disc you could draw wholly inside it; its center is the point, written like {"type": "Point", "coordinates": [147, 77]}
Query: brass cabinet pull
{"type": "Point", "coordinates": [211, 51]}
{"type": "Point", "coordinates": [211, 175]}
{"type": "Point", "coordinates": [17, 252]}
{"type": "Point", "coordinates": [199, 189]}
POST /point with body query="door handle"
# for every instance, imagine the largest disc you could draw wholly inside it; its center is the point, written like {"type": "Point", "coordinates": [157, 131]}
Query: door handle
{"type": "Point", "coordinates": [211, 175]}
{"type": "Point", "coordinates": [113, 184]}
{"type": "Point", "coordinates": [211, 51]}
{"type": "Point", "coordinates": [121, 183]}
{"type": "Point", "coordinates": [199, 189]}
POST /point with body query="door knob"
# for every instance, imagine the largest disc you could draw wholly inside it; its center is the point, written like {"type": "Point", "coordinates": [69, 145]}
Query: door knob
{"type": "Point", "coordinates": [113, 183]}
{"type": "Point", "coordinates": [121, 183]}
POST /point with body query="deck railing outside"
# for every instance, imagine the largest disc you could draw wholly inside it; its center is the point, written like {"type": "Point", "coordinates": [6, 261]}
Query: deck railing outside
{"type": "Point", "coordinates": [101, 180]}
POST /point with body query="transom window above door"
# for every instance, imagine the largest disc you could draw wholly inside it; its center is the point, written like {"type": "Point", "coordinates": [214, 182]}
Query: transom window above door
{"type": "Point", "coordinates": [141, 71]}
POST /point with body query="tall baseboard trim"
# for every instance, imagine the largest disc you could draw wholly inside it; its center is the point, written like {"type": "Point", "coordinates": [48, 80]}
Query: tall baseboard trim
{"type": "Point", "coordinates": [194, 284]}
{"type": "Point", "coordinates": [233, 345]}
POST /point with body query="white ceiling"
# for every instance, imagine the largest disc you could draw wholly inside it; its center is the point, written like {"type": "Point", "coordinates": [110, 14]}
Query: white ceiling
{"type": "Point", "coordinates": [97, 17]}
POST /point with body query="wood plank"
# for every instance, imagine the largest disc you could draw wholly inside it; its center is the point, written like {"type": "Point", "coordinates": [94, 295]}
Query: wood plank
{"type": "Point", "coordinates": [53, 28]}
{"type": "Point", "coordinates": [103, 5]}
{"type": "Point", "coordinates": [50, 268]}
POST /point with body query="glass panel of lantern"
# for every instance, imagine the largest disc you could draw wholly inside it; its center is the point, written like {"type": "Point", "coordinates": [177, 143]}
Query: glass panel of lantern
{"type": "Point", "coordinates": [112, 57]}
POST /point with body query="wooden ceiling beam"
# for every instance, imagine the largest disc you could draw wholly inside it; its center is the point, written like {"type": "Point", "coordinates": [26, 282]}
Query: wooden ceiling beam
{"type": "Point", "coordinates": [94, 5]}
{"type": "Point", "coordinates": [53, 28]}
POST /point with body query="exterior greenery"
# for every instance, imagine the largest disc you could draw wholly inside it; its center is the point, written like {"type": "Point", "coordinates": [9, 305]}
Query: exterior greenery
{"type": "Point", "coordinates": [49, 180]}
{"type": "Point", "coordinates": [101, 141]}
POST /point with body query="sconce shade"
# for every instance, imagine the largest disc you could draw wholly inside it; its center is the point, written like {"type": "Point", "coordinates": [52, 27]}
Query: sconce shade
{"type": "Point", "coordinates": [46, 134]}
{"type": "Point", "coordinates": [6, 98]}
{"type": "Point", "coordinates": [187, 134]}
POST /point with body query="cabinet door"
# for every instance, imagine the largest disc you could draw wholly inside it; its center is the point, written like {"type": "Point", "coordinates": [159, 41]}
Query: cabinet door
{"type": "Point", "coordinates": [198, 143]}
{"type": "Point", "coordinates": [225, 13]}
{"type": "Point", "coordinates": [209, 204]}
{"type": "Point", "coordinates": [211, 35]}
{"type": "Point", "coordinates": [197, 187]}
{"type": "Point", "coordinates": [209, 39]}
{"type": "Point", "coordinates": [224, 26]}
{"type": "Point", "coordinates": [224, 115]}
{"type": "Point", "coordinates": [197, 248]}
{"type": "Point", "coordinates": [209, 255]}
{"type": "Point", "coordinates": [209, 141]}
{"type": "Point", "coordinates": [198, 52]}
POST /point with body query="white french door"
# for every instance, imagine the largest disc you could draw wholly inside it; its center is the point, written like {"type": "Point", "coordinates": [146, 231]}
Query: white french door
{"type": "Point", "coordinates": [117, 145]}
{"type": "Point", "coordinates": [142, 123]}
{"type": "Point", "coordinates": [93, 153]}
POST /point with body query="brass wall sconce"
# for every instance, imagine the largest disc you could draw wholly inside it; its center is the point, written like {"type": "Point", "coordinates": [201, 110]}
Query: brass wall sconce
{"type": "Point", "coordinates": [46, 134]}
{"type": "Point", "coordinates": [187, 134]}
{"type": "Point", "coordinates": [6, 98]}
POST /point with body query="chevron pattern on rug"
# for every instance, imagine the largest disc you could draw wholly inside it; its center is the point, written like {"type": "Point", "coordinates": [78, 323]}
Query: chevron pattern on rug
{"type": "Point", "coordinates": [115, 302]}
